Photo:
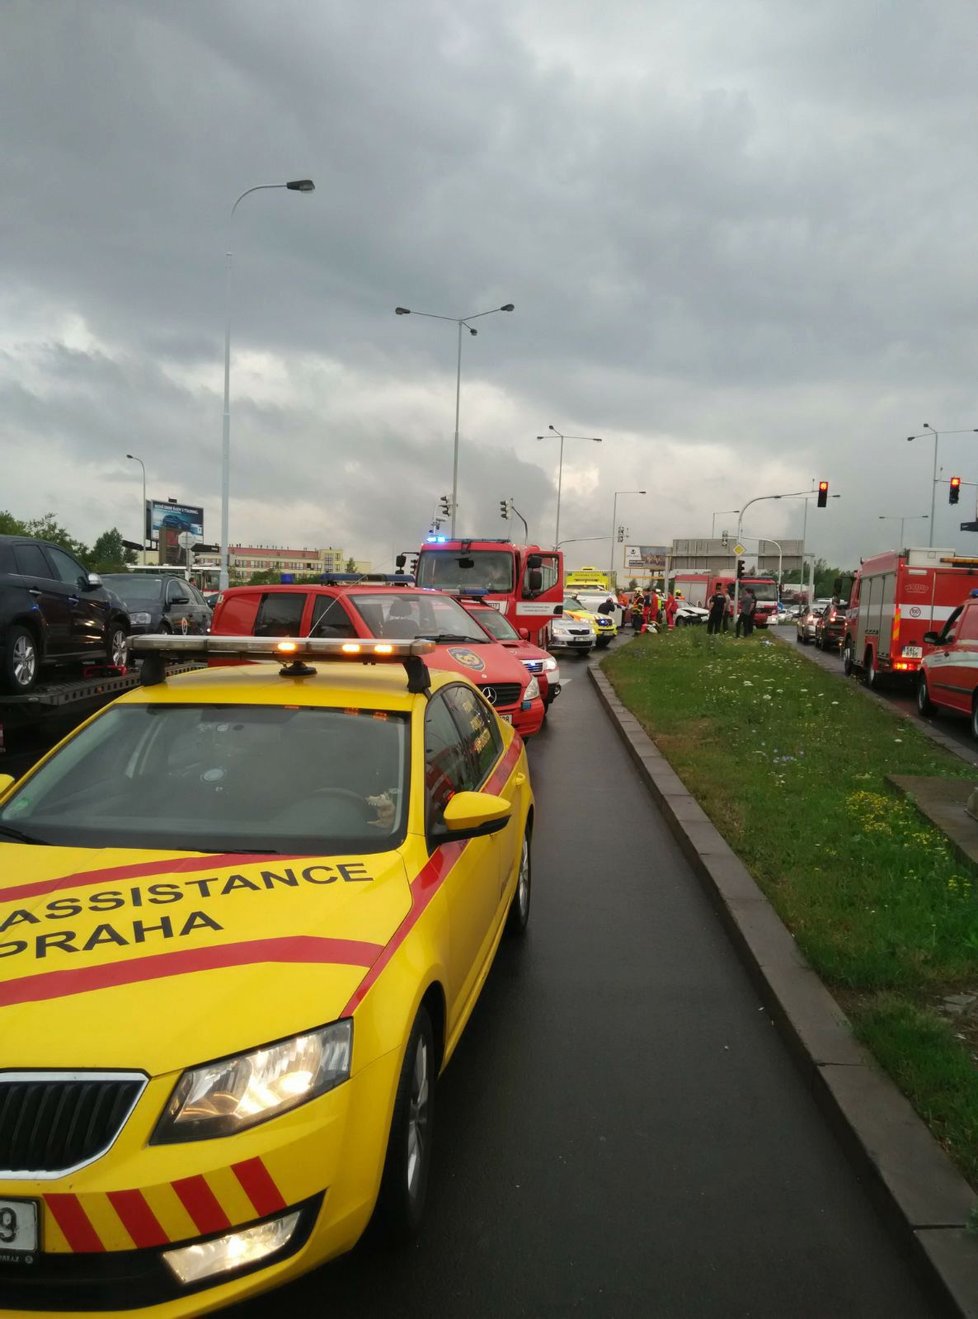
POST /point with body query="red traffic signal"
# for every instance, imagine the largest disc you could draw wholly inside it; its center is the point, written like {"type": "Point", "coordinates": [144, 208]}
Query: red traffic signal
{"type": "Point", "coordinates": [823, 493]}
{"type": "Point", "coordinates": [954, 491]}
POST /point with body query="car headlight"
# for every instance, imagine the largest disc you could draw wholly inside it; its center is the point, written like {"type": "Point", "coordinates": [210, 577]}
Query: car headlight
{"type": "Point", "coordinates": [224, 1097]}
{"type": "Point", "coordinates": [532, 690]}
{"type": "Point", "coordinates": [550, 665]}
{"type": "Point", "coordinates": [561, 630]}
{"type": "Point", "coordinates": [140, 620]}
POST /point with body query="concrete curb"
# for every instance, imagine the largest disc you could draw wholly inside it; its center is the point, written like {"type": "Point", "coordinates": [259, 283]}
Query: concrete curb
{"type": "Point", "coordinates": [921, 1194]}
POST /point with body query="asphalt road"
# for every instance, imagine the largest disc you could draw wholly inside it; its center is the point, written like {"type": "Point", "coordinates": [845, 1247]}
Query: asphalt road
{"type": "Point", "coordinates": [622, 1132]}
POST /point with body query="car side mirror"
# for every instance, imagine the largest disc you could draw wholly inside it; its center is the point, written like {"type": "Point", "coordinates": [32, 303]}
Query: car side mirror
{"type": "Point", "coordinates": [90, 582]}
{"type": "Point", "coordinates": [534, 581]}
{"type": "Point", "coordinates": [932, 638]}
{"type": "Point", "coordinates": [180, 600]}
{"type": "Point", "coordinates": [524, 633]}
{"type": "Point", "coordinates": [474, 815]}
{"type": "Point", "coordinates": [5, 782]}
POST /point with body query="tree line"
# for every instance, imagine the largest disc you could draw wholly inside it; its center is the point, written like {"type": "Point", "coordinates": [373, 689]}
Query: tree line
{"type": "Point", "coordinates": [107, 554]}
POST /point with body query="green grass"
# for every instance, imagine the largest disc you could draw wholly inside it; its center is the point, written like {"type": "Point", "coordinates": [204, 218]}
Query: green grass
{"type": "Point", "coordinates": [790, 763]}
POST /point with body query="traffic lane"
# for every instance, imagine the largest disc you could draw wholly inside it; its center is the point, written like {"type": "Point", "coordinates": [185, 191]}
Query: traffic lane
{"type": "Point", "coordinates": [621, 1130]}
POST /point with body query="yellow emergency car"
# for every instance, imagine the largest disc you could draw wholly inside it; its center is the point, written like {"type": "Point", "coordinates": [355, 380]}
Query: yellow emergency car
{"type": "Point", "coordinates": [245, 914]}
{"type": "Point", "coordinates": [604, 624]}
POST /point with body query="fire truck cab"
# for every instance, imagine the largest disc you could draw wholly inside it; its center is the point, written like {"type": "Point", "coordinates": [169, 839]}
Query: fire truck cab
{"type": "Point", "coordinates": [524, 582]}
{"type": "Point", "coordinates": [697, 587]}
{"type": "Point", "coordinates": [895, 598]}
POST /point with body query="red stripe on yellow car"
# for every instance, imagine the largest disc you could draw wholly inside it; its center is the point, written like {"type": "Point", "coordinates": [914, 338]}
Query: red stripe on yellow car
{"type": "Point", "coordinates": [300, 948]}
{"type": "Point", "coordinates": [74, 1223]}
{"type": "Point", "coordinates": [259, 1187]}
{"type": "Point", "coordinates": [202, 1204]}
{"type": "Point", "coordinates": [137, 1218]}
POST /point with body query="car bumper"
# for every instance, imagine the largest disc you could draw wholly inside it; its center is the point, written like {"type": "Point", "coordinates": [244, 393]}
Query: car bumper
{"type": "Point", "coordinates": [528, 721]}
{"type": "Point", "coordinates": [104, 1231]}
{"type": "Point", "coordinates": [581, 644]}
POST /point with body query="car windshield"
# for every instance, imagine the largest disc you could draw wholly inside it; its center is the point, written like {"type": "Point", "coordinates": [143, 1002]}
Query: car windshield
{"type": "Point", "coordinates": [500, 627]}
{"type": "Point", "coordinates": [400, 614]}
{"type": "Point", "coordinates": [490, 569]}
{"type": "Point", "coordinates": [572, 602]}
{"type": "Point", "coordinates": [134, 589]}
{"type": "Point", "coordinates": [221, 778]}
{"type": "Point", "coordinates": [764, 590]}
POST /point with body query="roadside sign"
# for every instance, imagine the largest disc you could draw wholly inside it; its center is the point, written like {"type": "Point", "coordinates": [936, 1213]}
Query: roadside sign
{"type": "Point", "coordinates": [739, 550]}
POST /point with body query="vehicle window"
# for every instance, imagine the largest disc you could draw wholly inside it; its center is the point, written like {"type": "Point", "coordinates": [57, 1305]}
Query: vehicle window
{"type": "Point", "coordinates": [497, 624]}
{"type": "Point", "coordinates": [491, 569]}
{"type": "Point", "coordinates": [174, 590]}
{"type": "Point", "coordinates": [280, 615]}
{"type": "Point", "coordinates": [134, 589]}
{"type": "Point", "coordinates": [480, 731]}
{"type": "Point", "coordinates": [196, 597]}
{"type": "Point", "coordinates": [216, 778]}
{"type": "Point", "coordinates": [329, 618]}
{"type": "Point", "coordinates": [68, 569]}
{"type": "Point", "coordinates": [403, 614]}
{"type": "Point", "coordinates": [31, 561]}
{"type": "Point", "coordinates": [967, 625]}
{"type": "Point", "coordinates": [549, 576]}
{"type": "Point", "coordinates": [448, 767]}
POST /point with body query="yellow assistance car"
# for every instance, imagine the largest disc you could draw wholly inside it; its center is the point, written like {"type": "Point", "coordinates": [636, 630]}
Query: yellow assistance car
{"type": "Point", "coordinates": [604, 625]}
{"type": "Point", "coordinates": [245, 914]}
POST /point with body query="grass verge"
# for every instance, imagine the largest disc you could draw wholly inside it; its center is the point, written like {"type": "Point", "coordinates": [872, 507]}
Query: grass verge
{"type": "Point", "coordinates": [790, 763]}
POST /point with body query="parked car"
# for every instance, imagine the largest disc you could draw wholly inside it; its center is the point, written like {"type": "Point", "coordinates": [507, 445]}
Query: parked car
{"type": "Point", "coordinates": [604, 625]}
{"type": "Point", "coordinates": [688, 615]}
{"type": "Point", "coordinates": [805, 620]}
{"type": "Point", "coordinates": [543, 666]}
{"type": "Point", "coordinates": [395, 611]}
{"type": "Point", "coordinates": [53, 611]}
{"type": "Point", "coordinates": [277, 896]}
{"type": "Point", "coordinates": [575, 635]}
{"type": "Point", "coordinates": [830, 626]}
{"type": "Point", "coordinates": [160, 604]}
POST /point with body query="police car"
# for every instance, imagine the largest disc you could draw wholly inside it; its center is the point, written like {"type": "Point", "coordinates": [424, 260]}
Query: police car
{"type": "Point", "coordinates": [245, 914]}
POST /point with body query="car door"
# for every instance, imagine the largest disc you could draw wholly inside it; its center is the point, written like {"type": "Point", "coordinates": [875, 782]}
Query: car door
{"type": "Point", "coordinates": [49, 595]}
{"type": "Point", "coordinates": [180, 609]}
{"type": "Point", "coordinates": [959, 670]}
{"type": "Point", "coordinates": [87, 607]}
{"type": "Point", "coordinates": [471, 887]}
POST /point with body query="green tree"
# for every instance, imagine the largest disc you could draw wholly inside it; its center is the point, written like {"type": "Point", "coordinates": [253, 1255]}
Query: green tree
{"type": "Point", "coordinates": [11, 526]}
{"type": "Point", "coordinates": [47, 528]}
{"type": "Point", "coordinates": [108, 554]}
{"type": "Point", "coordinates": [351, 564]}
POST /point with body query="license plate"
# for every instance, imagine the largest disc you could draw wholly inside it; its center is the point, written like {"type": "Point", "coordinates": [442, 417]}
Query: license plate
{"type": "Point", "coordinates": [912, 652]}
{"type": "Point", "coordinates": [18, 1226]}
{"type": "Point", "coordinates": [506, 718]}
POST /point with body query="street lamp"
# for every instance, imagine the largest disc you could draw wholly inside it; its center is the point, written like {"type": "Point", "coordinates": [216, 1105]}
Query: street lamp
{"type": "Point", "coordinates": [596, 439]}
{"type": "Point", "coordinates": [459, 321]}
{"type": "Point", "coordinates": [927, 431]}
{"type": "Point", "coordinates": [908, 517]}
{"type": "Point", "coordinates": [791, 494]}
{"type": "Point", "coordinates": [614, 521]}
{"type": "Point", "coordinates": [294, 185]}
{"type": "Point", "coordinates": [142, 521]}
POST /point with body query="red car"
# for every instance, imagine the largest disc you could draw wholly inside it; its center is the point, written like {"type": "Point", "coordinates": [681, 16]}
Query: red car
{"type": "Point", "coordinates": [543, 666]}
{"type": "Point", "coordinates": [830, 627]}
{"type": "Point", "coordinates": [362, 609]}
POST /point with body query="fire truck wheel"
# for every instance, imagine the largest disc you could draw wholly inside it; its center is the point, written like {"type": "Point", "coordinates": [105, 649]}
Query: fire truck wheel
{"type": "Point", "coordinates": [19, 661]}
{"type": "Point", "coordinates": [871, 671]}
{"type": "Point", "coordinates": [924, 703]}
{"type": "Point", "coordinates": [847, 658]}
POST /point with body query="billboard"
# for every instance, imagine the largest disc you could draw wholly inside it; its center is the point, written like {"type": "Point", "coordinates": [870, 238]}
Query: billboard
{"type": "Point", "coordinates": [651, 558]}
{"type": "Point", "coordinates": [167, 522]}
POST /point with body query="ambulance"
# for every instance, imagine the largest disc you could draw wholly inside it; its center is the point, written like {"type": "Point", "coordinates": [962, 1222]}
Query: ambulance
{"type": "Point", "coordinates": [894, 599]}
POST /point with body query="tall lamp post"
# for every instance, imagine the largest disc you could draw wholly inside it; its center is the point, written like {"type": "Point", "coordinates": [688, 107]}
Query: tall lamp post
{"type": "Point", "coordinates": [908, 517]}
{"type": "Point", "coordinates": [595, 439]}
{"type": "Point", "coordinates": [924, 434]}
{"type": "Point", "coordinates": [614, 521]}
{"type": "Point", "coordinates": [719, 513]}
{"type": "Point", "coordinates": [294, 185]}
{"type": "Point", "coordinates": [142, 520]}
{"type": "Point", "coordinates": [460, 321]}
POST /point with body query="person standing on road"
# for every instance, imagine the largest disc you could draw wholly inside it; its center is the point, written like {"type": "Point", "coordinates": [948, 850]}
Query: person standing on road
{"type": "Point", "coordinates": [717, 605]}
{"type": "Point", "coordinates": [745, 618]}
{"type": "Point", "coordinates": [672, 608]}
{"type": "Point", "coordinates": [607, 606]}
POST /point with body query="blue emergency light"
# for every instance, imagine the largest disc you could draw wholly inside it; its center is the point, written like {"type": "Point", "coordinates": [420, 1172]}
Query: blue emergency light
{"type": "Point", "coordinates": [436, 540]}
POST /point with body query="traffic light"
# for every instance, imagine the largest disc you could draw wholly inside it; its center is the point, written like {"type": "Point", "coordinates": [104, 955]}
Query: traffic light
{"type": "Point", "coordinates": [504, 509]}
{"type": "Point", "coordinates": [446, 505]}
{"type": "Point", "coordinates": [954, 491]}
{"type": "Point", "coordinates": [823, 493]}
{"type": "Point", "coordinates": [740, 568]}
{"type": "Point", "coordinates": [621, 534]}
{"type": "Point", "coordinates": [725, 539]}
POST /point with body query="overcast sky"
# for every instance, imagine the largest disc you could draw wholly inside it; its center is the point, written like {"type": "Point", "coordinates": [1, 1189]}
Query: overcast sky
{"type": "Point", "coordinates": [739, 235]}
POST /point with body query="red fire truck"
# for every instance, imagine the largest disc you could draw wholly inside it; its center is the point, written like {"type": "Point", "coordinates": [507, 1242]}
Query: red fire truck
{"type": "Point", "coordinates": [894, 599]}
{"type": "Point", "coordinates": [697, 587]}
{"type": "Point", "coordinates": [524, 582]}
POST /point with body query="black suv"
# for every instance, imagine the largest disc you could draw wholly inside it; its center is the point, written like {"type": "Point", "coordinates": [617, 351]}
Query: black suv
{"type": "Point", "coordinates": [53, 610]}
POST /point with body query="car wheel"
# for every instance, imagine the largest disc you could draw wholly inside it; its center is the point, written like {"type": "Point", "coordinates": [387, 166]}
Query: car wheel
{"type": "Point", "coordinates": [847, 657]}
{"type": "Point", "coordinates": [799, 637]}
{"type": "Point", "coordinates": [872, 672]}
{"type": "Point", "coordinates": [117, 645]}
{"type": "Point", "coordinates": [680, 622]}
{"type": "Point", "coordinates": [818, 641]}
{"type": "Point", "coordinates": [924, 704]}
{"type": "Point", "coordinates": [519, 908]}
{"type": "Point", "coordinates": [165, 629]}
{"type": "Point", "coordinates": [603, 641]}
{"type": "Point", "coordinates": [19, 660]}
{"type": "Point", "coordinates": [404, 1184]}
{"type": "Point", "coordinates": [974, 718]}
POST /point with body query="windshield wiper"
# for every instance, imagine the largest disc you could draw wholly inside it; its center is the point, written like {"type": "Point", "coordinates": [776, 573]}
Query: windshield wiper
{"type": "Point", "coordinates": [450, 636]}
{"type": "Point", "coordinates": [21, 837]}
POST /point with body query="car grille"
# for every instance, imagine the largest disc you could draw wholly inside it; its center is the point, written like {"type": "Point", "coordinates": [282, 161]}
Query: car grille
{"type": "Point", "coordinates": [501, 693]}
{"type": "Point", "coordinates": [534, 666]}
{"type": "Point", "coordinates": [51, 1123]}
